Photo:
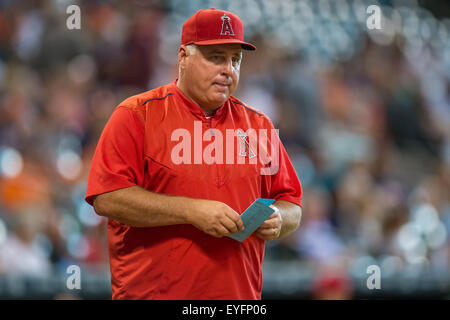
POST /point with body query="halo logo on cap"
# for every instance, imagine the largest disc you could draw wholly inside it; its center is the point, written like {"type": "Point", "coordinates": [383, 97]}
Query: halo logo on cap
{"type": "Point", "coordinates": [226, 26]}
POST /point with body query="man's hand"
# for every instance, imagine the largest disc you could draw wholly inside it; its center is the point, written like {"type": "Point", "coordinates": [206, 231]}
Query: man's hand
{"type": "Point", "coordinates": [215, 218]}
{"type": "Point", "coordinates": [271, 228]}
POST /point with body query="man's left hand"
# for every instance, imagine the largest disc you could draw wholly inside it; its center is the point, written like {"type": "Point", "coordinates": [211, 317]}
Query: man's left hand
{"type": "Point", "coordinates": [271, 228]}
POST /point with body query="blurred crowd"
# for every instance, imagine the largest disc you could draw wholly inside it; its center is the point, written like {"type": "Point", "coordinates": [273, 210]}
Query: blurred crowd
{"type": "Point", "coordinates": [368, 131]}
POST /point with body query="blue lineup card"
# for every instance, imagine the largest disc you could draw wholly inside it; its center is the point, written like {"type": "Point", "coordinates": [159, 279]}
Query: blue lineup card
{"type": "Point", "coordinates": [253, 217]}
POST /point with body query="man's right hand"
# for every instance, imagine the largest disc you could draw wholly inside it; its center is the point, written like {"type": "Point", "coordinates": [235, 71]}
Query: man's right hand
{"type": "Point", "coordinates": [214, 218]}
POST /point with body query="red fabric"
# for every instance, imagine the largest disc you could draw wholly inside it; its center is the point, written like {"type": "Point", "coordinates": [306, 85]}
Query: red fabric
{"type": "Point", "coordinates": [180, 261]}
{"type": "Point", "coordinates": [211, 26]}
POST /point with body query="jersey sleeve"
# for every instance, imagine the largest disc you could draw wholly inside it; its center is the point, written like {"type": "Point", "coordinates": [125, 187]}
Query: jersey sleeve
{"type": "Point", "coordinates": [283, 183]}
{"type": "Point", "coordinates": [118, 159]}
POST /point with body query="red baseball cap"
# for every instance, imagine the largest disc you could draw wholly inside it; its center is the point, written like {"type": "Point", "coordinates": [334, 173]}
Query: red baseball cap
{"type": "Point", "coordinates": [211, 26]}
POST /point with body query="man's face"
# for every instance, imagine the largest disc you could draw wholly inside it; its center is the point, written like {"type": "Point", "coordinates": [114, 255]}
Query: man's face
{"type": "Point", "coordinates": [211, 74]}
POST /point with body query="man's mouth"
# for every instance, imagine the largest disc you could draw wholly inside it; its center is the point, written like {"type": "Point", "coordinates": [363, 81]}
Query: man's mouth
{"type": "Point", "coordinates": [221, 85]}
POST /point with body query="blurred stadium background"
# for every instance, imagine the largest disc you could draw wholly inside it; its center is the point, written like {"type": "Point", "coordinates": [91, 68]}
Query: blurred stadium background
{"type": "Point", "coordinates": [364, 115]}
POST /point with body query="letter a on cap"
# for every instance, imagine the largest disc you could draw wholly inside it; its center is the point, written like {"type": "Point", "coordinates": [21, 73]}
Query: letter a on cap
{"type": "Point", "coordinates": [226, 26]}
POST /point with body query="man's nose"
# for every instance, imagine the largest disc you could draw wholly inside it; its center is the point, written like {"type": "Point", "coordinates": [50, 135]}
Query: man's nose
{"type": "Point", "coordinates": [228, 67]}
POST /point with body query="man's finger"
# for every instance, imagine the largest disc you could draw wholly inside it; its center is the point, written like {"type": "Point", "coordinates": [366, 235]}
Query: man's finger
{"type": "Point", "coordinates": [268, 231]}
{"type": "Point", "coordinates": [229, 224]}
{"type": "Point", "coordinates": [237, 220]}
{"type": "Point", "coordinates": [222, 231]}
{"type": "Point", "coordinates": [240, 224]}
{"type": "Point", "coordinates": [268, 234]}
{"type": "Point", "coordinates": [269, 224]}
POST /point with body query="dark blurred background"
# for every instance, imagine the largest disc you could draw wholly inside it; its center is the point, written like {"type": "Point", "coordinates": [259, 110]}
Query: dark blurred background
{"type": "Point", "coordinates": [364, 115]}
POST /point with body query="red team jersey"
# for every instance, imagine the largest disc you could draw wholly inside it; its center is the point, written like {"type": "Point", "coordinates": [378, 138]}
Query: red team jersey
{"type": "Point", "coordinates": [181, 261]}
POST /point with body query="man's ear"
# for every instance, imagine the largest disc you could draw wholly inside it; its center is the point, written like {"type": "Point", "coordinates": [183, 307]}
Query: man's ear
{"type": "Point", "coordinates": [183, 53]}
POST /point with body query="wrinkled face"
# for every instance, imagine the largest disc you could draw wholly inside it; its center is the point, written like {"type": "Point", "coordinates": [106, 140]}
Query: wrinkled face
{"type": "Point", "coordinates": [210, 73]}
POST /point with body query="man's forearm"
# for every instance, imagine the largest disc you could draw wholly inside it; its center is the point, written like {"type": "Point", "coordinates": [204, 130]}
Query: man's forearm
{"type": "Point", "coordinates": [137, 207]}
{"type": "Point", "coordinates": [291, 215]}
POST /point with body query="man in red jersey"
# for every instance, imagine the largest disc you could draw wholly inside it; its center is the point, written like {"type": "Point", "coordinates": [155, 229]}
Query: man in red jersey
{"type": "Point", "coordinates": [173, 184]}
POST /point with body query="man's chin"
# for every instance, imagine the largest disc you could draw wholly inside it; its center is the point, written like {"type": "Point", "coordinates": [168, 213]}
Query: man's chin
{"type": "Point", "coordinates": [219, 100]}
